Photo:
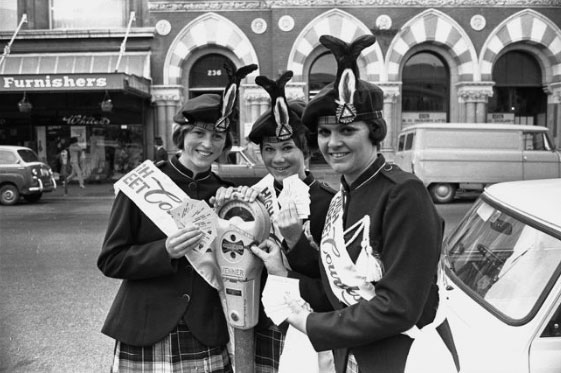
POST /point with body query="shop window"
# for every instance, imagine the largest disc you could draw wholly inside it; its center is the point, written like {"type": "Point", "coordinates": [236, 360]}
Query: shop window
{"type": "Point", "coordinates": [322, 72]}
{"type": "Point", "coordinates": [518, 96]}
{"type": "Point", "coordinates": [208, 75]}
{"type": "Point", "coordinates": [8, 15]}
{"type": "Point", "coordinates": [72, 14]}
{"type": "Point", "coordinates": [426, 89]}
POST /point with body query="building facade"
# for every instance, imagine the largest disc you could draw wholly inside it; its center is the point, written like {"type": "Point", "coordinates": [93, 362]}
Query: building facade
{"type": "Point", "coordinates": [436, 61]}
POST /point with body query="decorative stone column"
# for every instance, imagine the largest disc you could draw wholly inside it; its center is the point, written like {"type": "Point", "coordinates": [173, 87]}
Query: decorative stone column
{"type": "Point", "coordinates": [392, 91]}
{"type": "Point", "coordinates": [473, 97]}
{"type": "Point", "coordinates": [553, 92]}
{"type": "Point", "coordinates": [167, 100]}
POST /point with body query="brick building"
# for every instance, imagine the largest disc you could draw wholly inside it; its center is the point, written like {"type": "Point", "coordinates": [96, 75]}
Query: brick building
{"type": "Point", "coordinates": [441, 61]}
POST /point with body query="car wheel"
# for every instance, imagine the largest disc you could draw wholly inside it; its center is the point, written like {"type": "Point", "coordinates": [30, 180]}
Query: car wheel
{"type": "Point", "coordinates": [33, 197]}
{"type": "Point", "coordinates": [442, 192]}
{"type": "Point", "coordinates": [9, 195]}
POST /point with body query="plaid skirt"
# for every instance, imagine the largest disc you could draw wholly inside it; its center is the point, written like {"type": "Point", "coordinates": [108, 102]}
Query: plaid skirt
{"type": "Point", "coordinates": [268, 347]}
{"type": "Point", "coordinates": [178, 352]}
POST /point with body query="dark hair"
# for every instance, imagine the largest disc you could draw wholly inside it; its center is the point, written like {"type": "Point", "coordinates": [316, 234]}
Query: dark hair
{"type": "Point", "coordinates": [180, 131]}
{"type": "Point", "coordinates": [158, 141]}
{"type": "Point", "coordinates": [376, 130]}
{"type": "Point", "coordinates": [73, 140]}
{"type": "Point", "coordinates": [300, 139]}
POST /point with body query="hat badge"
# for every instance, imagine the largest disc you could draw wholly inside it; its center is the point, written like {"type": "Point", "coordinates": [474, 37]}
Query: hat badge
{"type": "Point", "coordinates": [345, 113]}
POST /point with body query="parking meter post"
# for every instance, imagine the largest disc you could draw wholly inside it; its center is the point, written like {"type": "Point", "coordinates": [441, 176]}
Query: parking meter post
{"type": "Point", "coordinates": [245, 350]}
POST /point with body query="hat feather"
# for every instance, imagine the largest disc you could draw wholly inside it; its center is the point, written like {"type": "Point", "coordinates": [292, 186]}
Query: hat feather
{"type": "Point", "coordinates": [347, 71]}
{"type": "Point", "coordinates": [276, 90]}
{"type": "Point", "coordinates": [230, 94]}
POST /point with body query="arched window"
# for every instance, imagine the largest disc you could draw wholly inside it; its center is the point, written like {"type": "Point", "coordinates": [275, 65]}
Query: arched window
{"type": "Point", "coordinates": [208, 75]}
{"type": "Point", "coordinates": [518, 96]}
{"type": "Point", "coordinates": [426, 89]}
{"type": "Point", "coordinates": [322, 72]}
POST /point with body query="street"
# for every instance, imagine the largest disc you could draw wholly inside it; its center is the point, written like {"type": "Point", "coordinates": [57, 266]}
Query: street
{"type": "Point", "coordinates": [53, 297]}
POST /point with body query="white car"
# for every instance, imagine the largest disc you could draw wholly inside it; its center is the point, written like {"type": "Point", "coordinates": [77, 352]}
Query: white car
{"type": "Point", "coordinates": [502, 267]}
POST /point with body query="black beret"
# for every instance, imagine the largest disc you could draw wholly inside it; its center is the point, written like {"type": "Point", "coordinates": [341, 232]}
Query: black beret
{"type": "Point", "coordinates": [212, 110]}
{"type": "Point", "coordinates": [348, 99]}
{"type": "Point", "coordinates": [265, 126]}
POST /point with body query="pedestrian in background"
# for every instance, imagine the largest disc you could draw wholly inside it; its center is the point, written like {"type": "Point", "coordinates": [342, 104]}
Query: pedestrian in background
{"type": "Point", "coordinates": [166, 317]}
{"type": "Point", "coordinates": [161, 153]}
{"type": "Point", "coordinates": [75, 154]}
{"type": "Point", "coordinates": [381, 242]}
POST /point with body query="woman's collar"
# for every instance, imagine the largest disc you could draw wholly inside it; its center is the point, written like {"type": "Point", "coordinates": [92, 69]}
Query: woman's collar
{"type": "Point", "coordinates": [180, 167]}
{"type": "Point", "coordinates": [370, 172]}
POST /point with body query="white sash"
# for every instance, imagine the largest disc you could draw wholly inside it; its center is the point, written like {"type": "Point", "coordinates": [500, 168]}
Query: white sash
{"type": "Point", "coordinates": [350, 282]}
{"type": "Point", "coordinates": [156, 194]}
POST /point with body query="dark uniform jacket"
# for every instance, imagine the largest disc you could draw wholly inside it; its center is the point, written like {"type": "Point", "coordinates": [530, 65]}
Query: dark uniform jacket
{"type": "Point", "coordinates": [303, 257]}
{"type": "Point", "coordinates": [406, 230]}
{"type": "Point", "coordinates": [158, 291]}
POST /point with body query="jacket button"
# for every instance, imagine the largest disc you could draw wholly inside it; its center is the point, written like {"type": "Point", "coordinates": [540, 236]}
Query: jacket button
{"type": "Point", "coordinates": [187, 297]}
{"type": "Point", "coordinates": [193, 186]}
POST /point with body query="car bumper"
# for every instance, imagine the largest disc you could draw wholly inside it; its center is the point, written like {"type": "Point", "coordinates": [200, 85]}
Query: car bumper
{"type": "Point", "coordinates": [47, 185]}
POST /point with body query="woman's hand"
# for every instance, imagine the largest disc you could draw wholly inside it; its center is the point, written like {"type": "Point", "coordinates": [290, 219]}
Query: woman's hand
{"type": "Point", "coordinates": [242, 192]}
{"type": "Point", "coordinates": [289, 224]}
{"type": "Point", "coordinates": [300, 311]}
{"type": "Point", "coordinates": [270, 253]}
{"type": "Point", "coordinates": [185, 239]}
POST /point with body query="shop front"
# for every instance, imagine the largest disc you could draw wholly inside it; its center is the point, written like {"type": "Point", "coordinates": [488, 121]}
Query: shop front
{"type": "Point", "coordinates": [106, 112]}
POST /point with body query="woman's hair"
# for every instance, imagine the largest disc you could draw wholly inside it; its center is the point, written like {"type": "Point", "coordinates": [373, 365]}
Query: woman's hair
{"type": "Point", "coordinates": [73, 140]}
{"type": "Point", "coordinates": [300, 139]}
{"type": "Point", "coordinates": [376, 130]}
{"type": "Point", "coordinates": [180, 131]}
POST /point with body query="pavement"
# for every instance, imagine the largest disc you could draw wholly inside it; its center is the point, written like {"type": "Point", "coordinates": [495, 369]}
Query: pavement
{"type": "Point", "coordinates": [73, 191]}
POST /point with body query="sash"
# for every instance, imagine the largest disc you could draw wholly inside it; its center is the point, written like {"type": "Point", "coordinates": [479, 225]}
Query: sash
{"type": "Point", "coordinates": [156, 194]}
{"type": "Point", "coordinates": [350, 282]}
{"type": "Point", "coordinates": [266, 188]}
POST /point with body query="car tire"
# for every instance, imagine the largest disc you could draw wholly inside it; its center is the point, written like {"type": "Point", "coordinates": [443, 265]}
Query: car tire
{"type": "Point", "coordinates": [442, 192]}
{"type": "Point", "coordinates": [33, 197]}
{"type": "Point", "coordinates": [9, 195]}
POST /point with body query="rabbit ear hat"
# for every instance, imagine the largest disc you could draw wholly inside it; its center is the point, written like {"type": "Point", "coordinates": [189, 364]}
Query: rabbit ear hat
{"type": "Point", "coordinates": [348, 99]}
{"type": "Point", "coordinates": [283, 119]}
{"type": "Point", "coordinates": [213, 111]}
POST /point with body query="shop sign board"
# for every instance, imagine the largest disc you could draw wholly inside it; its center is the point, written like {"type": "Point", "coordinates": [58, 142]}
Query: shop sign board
{"type": "Point", "coordinates": [67, 82]}
{"type": "Point", "coordinates": [507, 118]}
{"type": "Point", "coordinates": [409, 118]}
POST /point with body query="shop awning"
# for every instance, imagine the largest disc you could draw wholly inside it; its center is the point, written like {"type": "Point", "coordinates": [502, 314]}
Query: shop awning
{"type": "Point", "coordinates": [76, 72]}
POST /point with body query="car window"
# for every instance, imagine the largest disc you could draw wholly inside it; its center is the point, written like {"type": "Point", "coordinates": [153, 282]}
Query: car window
{"type": "Point", "coordinates": [502, 261]}
{"type": "Point", "coordinates": [536, 141]}
{"type": "Point", "coordinates": [553, 327]}
{"type": "Point", "coordinates": [7, 157]}
{"type": "Point", "coordinates": [401, 143]}
{"type": "Point", "coordinates": [28, 155]}
{"type": "Point", "coordinates": [409, 141]}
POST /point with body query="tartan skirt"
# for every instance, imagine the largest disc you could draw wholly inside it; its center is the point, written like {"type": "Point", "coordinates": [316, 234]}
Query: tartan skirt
{"type": "Point", "coordinates": [268, 347]}
{"type": "Point", "coordinates": [178, 352]}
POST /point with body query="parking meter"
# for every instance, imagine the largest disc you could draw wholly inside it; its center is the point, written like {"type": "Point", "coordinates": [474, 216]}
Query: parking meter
{"type": "Point", "coordinates": [241, 225]}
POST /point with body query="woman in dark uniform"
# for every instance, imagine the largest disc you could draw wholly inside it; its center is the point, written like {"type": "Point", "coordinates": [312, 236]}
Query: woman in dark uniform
{"type": "Point", "coordinates": [381, 240]}
{"type": "Point", "coordinates": [283, 143]}
{"type": "Point", "coordinates": [166, 317]}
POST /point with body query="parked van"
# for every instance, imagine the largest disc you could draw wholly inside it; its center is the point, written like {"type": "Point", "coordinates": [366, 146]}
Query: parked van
{"type": "Point", "coordinates": [458, 157]}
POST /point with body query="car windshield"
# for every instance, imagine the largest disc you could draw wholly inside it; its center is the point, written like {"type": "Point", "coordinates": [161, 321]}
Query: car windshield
{"type": "Point", "coordinates": [504, 262]}
{"type": "Point", "coordinates": [28, 155]}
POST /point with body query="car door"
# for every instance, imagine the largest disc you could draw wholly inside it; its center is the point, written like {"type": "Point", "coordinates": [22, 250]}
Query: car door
{"type": "Point", "coordinates": [10, 169]}
{"type": "Point", "coordinates": [545, 350]}
{"type": "Point", "coordinates": [540, 161]}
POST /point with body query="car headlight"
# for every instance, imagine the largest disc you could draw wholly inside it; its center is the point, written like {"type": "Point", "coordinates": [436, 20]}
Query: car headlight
{"type": "Point", "coordinates": [34, 172]}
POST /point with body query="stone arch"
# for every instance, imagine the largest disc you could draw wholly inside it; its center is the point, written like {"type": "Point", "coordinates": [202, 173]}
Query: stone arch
{"type": "Point", "coordinates": [525, 26]}
{"type": "Point", "coordinates": [210, 29]}
{"type": "Point", "coordinates": [433, 26]}
{"type": "Point", "coordinates": [342, 25]}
